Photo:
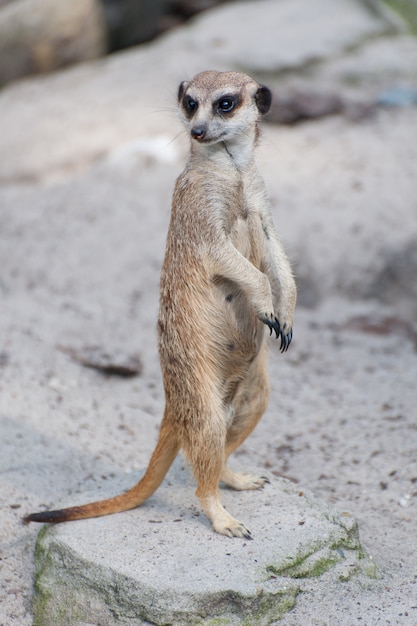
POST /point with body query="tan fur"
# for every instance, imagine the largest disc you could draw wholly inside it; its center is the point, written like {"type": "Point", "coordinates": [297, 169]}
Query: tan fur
{"type": "Point", "coordinates": [225, 275]}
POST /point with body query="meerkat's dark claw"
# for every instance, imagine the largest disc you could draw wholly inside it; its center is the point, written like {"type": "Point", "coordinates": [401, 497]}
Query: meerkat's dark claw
{"type": "Point", "coordinates": [285, 337]}
{"type": "Point", "coordinates": [286, 340]}
{"type": "Point", "coordinates": [273, 325]}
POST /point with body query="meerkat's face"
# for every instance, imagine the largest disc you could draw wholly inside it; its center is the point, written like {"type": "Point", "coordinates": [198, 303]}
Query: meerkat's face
{"type": "Point", "coordinates": [222, 106]}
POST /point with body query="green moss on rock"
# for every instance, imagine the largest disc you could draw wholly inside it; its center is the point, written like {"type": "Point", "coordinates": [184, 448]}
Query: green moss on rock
{"type": "Point", "coordinates": [407, 9]}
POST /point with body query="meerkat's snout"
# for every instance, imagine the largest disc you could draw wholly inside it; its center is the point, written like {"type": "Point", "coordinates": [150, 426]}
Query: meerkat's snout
{"type": "Point", "coordinates": [199, 132]}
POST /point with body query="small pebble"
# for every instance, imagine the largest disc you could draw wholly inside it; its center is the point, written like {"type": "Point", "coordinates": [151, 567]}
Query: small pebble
{"type": "Point", "coordinates": [406, 500]}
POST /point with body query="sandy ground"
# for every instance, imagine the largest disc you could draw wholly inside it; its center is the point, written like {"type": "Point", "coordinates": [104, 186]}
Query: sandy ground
{"type": "Point", "coordinates": [79, 265]}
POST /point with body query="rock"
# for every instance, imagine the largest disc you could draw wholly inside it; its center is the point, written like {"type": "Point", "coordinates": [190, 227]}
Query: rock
{"type": "Point", "coordinates": [398, 96]}
{"type": "Point", "coordinates": [42, 35]}
{"type": "Point", "coordinates": [110, 362]}
{"type": "Point", "coordinates": [383, 326]}
{"type": "Point", "coordinates": [160, 563]}
{"type": "Point", "coordinates": [272, 36]}
{"type": "Point", "coordinates": [130, 22]}
{"type": "Point", "coordinates": [298, 105]}
{"type": "Point", "coordinates": [395, 282]}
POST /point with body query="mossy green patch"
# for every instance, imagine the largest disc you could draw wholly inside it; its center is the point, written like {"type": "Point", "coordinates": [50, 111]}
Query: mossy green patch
{"type": "Point", "coordinates": [273, 607]}
{"type": "Point", "coordinates": [267, 607]}
{"type": "Point", "coordinates": [310, 565]}
{"type": "Point", "coordinates": [320, 558]}
{"type": "Point", "coordinates": [407, 9]}
{"type": "Point", "coordinates": [370, 569]}
{"type": "Point", "coordinates": [42, 596]}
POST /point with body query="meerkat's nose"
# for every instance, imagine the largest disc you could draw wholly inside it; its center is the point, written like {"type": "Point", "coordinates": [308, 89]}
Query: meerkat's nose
{"type": "Point", "coordinates": [198, 132]}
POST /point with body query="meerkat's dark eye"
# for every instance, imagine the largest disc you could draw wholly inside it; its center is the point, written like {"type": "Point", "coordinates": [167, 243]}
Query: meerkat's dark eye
{"type": "Point", "coordinates": [190, 105]}
{"type": "Point", "coordinates": [226, 104]}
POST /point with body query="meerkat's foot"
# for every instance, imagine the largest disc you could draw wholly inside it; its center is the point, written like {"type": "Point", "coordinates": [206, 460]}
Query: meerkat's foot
{"type": "Point", "coordinates": [223, 522]}
{"type": "Point", "coordinates": [226, 524]}
{"type": "Point", "coordinates": [242, 482]}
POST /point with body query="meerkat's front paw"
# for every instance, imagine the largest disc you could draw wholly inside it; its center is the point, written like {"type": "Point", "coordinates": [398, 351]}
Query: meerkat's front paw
{"type": "Point", "coordinates": [283, 333]}
{"type": "Point", "coordinates": [271, 321]}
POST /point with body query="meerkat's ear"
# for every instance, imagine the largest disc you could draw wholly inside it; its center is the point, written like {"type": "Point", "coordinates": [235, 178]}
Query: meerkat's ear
{"type": "Point", "coordinates": [183, 86]}
{"type": "Point", "coordinates": [263, 99]}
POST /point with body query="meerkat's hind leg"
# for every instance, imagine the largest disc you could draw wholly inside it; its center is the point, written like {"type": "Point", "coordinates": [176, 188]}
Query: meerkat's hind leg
{"type": "Point", "coordinates": [249, 405]}
{"type": "Point", "coordinates": [206, 453]}
{"type": "Point", "coordinates": [209, 497]}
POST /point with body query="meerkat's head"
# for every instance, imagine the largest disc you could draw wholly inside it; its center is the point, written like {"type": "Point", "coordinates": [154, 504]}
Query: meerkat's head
{"type": "Point", "coordinates": [223, 107]}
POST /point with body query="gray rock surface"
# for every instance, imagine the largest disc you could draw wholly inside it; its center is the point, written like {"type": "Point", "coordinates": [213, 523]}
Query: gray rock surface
{"type": "Point", "coordinates": [88, 161]}
{"type": "Point", "coordinates": [130, 22]}
{"type": "Point", "coordinates": [43, 35]}
{"type": "Point", "coordinates": [162, 564]}
{"type": "Point", "coordinates": [273, 36]}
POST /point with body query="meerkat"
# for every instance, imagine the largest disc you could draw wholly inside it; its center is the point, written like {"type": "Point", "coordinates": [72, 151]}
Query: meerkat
{"type": "Point", "coordinates": [224, 278]}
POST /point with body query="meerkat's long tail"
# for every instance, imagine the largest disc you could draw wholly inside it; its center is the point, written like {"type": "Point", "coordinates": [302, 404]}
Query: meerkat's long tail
{"type": "Point", "coordinates": [162, 458]}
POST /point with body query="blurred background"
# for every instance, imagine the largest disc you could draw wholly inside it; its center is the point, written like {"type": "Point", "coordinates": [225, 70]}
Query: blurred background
{"type": "Point", "coordinates": [43, 35]}
{"type": "Point", "coordinates": [90, 147]}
